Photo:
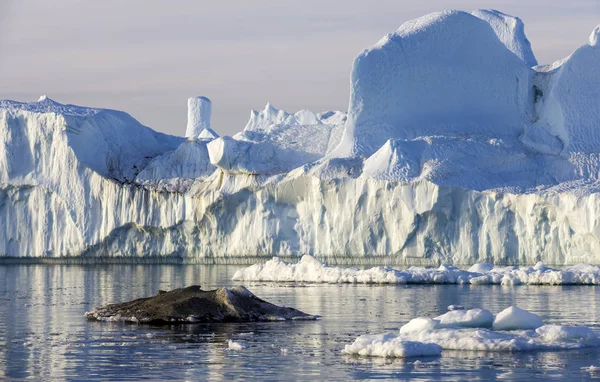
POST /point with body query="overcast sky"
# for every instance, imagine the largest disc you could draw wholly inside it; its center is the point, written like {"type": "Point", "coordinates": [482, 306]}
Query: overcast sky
{"type": "Point", "coordinates": [147, 57]}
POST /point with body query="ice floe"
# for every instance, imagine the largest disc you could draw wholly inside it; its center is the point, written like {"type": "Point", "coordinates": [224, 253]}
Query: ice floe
{"type": "Point", "coordinates": [422, 331]}
{"type": "Point", "coordinates": [311, 270]}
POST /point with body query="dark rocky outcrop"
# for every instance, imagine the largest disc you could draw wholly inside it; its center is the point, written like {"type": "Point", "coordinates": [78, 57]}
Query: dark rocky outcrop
{"type": "Point", "coordinates": [194, 305]}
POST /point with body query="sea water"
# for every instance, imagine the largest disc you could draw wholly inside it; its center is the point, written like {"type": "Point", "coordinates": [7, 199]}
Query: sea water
{"type": "Point", "coordinates": [44, 336]}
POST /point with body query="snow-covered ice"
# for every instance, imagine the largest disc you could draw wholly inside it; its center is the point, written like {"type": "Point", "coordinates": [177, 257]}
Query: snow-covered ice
{"type": "Point", "coordinates": [431, 77]}
{"type": "Point", "coordinates": [390, 345]}
{"type": "Point", "coordinates": [311, 270]}
{"type": "Point", "coordinates": [515, 318]}
{"type": "Point", "coordinates": [472, 318]}
{"type": "Point", "coordinates": [511, 32]}
{"type": "Point", "coordinates": [427, 331]}
{"type": "Point", "coordinates": [419, 324]}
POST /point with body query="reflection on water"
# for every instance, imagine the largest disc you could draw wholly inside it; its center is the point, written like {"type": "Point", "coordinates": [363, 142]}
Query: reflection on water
{"type": "Point", "coordinates": [43, 334]}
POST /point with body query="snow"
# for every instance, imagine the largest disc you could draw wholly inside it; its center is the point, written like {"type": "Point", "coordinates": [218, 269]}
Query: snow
{"type": "Point", "coordinates": [419, 324]}
{"type": "Point", "coordinates": [511, 32]}
{"type": "Point", "coordinates": [556, 333]}
{"type": "Point", "coordinates": [514, 318]}
{"type": "Point", "coordinates": [480, 163]}
{"type": "Point", "coordinates": [390, 345]}
{"type": "Point", "coordinates": [472, 318]}
{"type": "Point", "coordinates": [199, 113]}
{"type": "Point", "coordinates": [311, 270]}
{"type": "Point", "coordinates": [454, 335]}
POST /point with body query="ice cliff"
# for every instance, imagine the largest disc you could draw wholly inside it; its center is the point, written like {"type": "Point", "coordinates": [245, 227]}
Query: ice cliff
{"type": "Point", "coordinates": [456, 148]}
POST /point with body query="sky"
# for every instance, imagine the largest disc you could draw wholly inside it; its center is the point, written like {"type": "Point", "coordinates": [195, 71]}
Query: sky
{"type": "Point", "coordinates": [147, 57]}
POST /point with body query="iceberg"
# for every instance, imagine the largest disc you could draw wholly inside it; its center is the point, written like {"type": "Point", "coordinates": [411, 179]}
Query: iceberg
{"type": "Point", "coordinates": [456, 149]}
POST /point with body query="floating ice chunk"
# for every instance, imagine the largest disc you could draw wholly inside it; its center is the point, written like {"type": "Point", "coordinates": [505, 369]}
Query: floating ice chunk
{"type": "Point", "coordinates": [390, 345]}
{"type": "Point", "coordinates": [591, 369]}
{"type": "Point", "coordinates": [309, 269]}
{"type": "Point", "coordinates": [445, 332]}
{"type": "Point", "coordinates": [420, 324]}
{"type": "Point", "coordinates": [489, 340]}
{"type": "Point", "coordinates": [235, 345]}
{"type": "Point", "coordinates": [472, 318]}
{"type": "Point", "coordinates": [514, 318]}
{"type": "Point", "coordinates": [456, 307]}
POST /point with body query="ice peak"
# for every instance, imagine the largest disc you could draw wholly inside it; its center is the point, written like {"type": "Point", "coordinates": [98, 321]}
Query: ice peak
{"type": "Point", "coordinates": [208, 134]}
{"type": "Point", "coordinates": [44, 99]}
{"type": "Point", "coordinates": [595, 36]}
{"type": "Point", "coordinates": [270, 109]}
{"type": "Point", "coordinates": [199, 112]}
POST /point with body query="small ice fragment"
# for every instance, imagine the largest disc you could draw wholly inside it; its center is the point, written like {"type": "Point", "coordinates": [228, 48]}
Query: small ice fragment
{"type": "Point", "coordinates": [235, 345]}
{"type": "Point", "coordinates": [591, 369]}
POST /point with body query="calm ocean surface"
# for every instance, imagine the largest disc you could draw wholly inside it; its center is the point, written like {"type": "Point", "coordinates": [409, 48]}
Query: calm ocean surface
{"type": "Point", "coordinates": [44, 336]}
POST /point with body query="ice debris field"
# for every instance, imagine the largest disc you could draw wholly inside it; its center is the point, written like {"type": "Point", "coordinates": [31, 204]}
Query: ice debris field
{"type": "Point", "coordinates": [511, 330]}
{"type": "Point", "coordinates": [311, 270]}
{"type": "Point", "coordinates": [456, 148]}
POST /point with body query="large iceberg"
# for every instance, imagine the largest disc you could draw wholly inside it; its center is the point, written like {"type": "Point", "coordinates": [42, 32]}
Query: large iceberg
{"type": "Point", "coordinates": [455, 149]}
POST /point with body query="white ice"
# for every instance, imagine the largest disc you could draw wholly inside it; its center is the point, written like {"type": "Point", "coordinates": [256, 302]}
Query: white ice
{"type": "Point", "coordinates": [427, 331]}
{"type": "Point", "coordinates": [311, 270]}
{"type": "Point", "coordinates": [515, 318]}
{"type": "Point", "coordinates": [199, 114]}
{"type": "Point", "coordinates": [472, 318]}
{"type": "Point", "coordinates": [390, 345]}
